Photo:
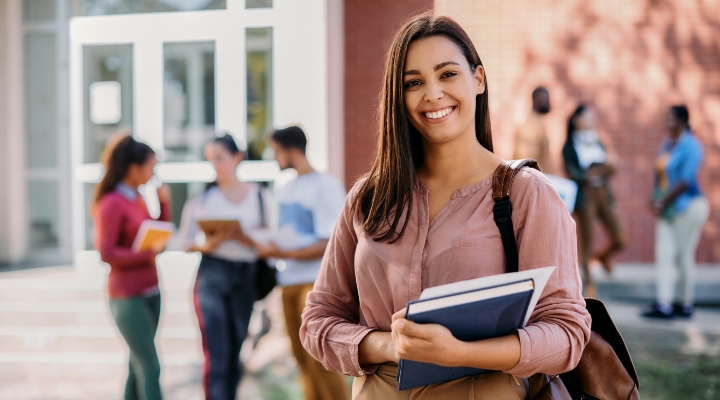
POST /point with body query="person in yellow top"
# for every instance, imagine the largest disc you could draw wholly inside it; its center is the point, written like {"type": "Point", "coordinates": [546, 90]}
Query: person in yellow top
{"type": "Point", "coordinates": [531, 140]}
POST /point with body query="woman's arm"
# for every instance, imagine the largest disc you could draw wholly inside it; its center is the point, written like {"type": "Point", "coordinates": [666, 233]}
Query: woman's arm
{"type": "Point", "coordinates": [376, 348]}
{"type": "Point", "coordinates": [572, 164]}
{"type": "Point", "coordinates": [109, 220]}
{"type": "Point", "coordinates": [690, 161]}
{"type": "Point", "coordinates": [559, 327]}
{"type": "Point", "coordinates": [331, 330]}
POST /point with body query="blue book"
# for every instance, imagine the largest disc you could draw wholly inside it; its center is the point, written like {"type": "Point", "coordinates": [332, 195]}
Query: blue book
{"type": "Point", "coordinates": [472, 315]}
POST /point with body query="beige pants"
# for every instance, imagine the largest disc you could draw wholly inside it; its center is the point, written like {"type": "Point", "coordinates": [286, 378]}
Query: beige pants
{"type": "Point", "coordinates": [675, 244]}
{"type": "Point", "coordinates": [488, 386]}
{"type": "Point", "coordinates": [317, 382]}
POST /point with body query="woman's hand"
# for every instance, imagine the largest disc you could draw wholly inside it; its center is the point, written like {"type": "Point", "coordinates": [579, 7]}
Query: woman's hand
{"type": "Point", "coordinates": [244, 239]}
{"type": "Point", "coordinates": [657, 207]}
{"type": "Point", "coordinates": [269, 251]}
{"type": "Point", "coordinates": [429, 343]}
{"type": "Point", "coordinates": [214, 240]}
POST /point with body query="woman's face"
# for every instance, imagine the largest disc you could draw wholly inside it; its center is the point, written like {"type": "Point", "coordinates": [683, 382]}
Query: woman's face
{"type": "Point", "coordinates": [140, 174]}
{"type": "Point", "coordinates": [224, 162]}
{"type": "Point", "coordinates": [440, 89]}
{"type": "Point", "coordinates": [586, 120]}
{"type": "Point", "coordinates": [672, 124]}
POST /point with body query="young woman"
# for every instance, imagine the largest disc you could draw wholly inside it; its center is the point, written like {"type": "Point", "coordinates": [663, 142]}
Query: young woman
{"type": "Point", "coordinates": [681, 211]}
{"type": "Point", "coordinates": [117, 212]}
{"type": "Point", "coordinates": [588, 164]}
{"type": "Point", "coordinates": [225, 284]}
{"type": "Point", "coordinates": [423, 217]}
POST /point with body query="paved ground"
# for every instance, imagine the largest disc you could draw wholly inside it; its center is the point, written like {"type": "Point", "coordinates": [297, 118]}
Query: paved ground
{"type": "Point", "coordinates": [58, 340]}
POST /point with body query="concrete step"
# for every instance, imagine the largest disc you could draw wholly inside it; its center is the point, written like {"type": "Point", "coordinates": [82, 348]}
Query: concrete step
{"type": "Point", "coordinates": [636, 282]}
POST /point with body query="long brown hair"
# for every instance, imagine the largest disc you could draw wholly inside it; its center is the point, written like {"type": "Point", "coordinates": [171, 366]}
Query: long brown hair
{"type": "Point", "coordinates": [387, 191]}
{"type": "Point", "coordinates": [118, 156]}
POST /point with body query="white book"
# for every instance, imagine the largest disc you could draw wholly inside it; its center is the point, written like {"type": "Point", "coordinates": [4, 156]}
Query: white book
{"type": "Point", "coordinates": [539, 277]}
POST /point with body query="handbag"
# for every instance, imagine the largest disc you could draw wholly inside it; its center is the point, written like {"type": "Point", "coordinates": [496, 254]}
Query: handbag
{"type": "Point", "coordinates": [605, 370]}
{"type": "Point", "coordinates": [265, 275]}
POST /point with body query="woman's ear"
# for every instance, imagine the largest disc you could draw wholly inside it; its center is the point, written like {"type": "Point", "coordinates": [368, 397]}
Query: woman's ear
{"type": "Point", "coordinates": [480, 79]}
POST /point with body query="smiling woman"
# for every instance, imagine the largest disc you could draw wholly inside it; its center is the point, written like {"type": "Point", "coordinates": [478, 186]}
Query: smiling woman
{"type": "Point", "coordinates": [422, 217]}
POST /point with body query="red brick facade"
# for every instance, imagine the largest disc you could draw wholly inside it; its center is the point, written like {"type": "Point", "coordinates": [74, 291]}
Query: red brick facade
{"type": "Point", "coordinates": [369, 27]}
{"type": "Point", "coordinates": [630, 60]}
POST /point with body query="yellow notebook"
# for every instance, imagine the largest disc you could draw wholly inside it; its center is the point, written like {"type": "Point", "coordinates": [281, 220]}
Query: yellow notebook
{"type": "Point", "coordinates": [152, 233]}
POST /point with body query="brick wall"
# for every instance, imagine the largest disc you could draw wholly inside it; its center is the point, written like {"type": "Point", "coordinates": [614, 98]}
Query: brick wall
{"type": "Point", "coordinates": [629, 59]}
{"type": "Point", "coordinates": [369, 28]}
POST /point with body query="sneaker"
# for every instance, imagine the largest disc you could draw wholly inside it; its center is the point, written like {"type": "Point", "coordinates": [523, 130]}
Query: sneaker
{"type": "Point", "coordinates": [683, 311]}
{"type": "Point", "coordinates": [654, 311]}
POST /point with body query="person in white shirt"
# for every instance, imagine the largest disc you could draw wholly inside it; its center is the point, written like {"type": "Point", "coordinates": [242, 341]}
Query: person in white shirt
{"type": "Point", "coordinates": [225, 285]}
{"type": "Point", "coordinates": [591, 165]}
{"type": "Point", "coordinates": [309, 207]}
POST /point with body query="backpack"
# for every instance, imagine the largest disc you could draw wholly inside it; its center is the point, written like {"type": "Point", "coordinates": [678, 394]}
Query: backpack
{"type": "Point", "coordinates": [605, 370]}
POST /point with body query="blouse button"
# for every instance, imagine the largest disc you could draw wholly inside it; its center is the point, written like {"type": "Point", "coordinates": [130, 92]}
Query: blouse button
{"type": "Point", "coordinates": [360, 373]}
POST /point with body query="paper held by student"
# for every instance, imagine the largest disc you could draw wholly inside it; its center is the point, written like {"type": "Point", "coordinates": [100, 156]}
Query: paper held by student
{"type": "Point", "coordinates": [152, 234]}
{"type": "Point", "coordinates": [539, 276]}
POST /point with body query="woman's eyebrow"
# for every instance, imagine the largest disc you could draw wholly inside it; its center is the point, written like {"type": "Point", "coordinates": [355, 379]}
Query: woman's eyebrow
{"type": "Point", "coordinates": [437, 67]}
{"type": "Point", "coordinates": [441, 65]}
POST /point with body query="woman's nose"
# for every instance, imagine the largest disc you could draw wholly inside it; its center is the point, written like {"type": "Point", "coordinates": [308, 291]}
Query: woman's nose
{"type": "Point", "coordinates": [433, 92]}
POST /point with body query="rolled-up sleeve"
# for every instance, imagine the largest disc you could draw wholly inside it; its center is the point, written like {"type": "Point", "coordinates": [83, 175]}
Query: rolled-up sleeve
{"type": "Point", "coordinates": [331, 330]}
{"type": "Point", "coordinates": [559, 327]}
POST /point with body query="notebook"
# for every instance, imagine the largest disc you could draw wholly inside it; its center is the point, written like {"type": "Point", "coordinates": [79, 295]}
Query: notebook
{"type": "Point", "coordinates": [210, 226]}
{"type": "Point", "coordinates": [472, 310]}
{"type": "Point", "coordinates": [152, 233]}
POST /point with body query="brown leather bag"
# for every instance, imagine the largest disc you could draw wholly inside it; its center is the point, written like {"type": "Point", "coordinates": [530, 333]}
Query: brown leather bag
{"type": "Point", "coordinates": [605, 370]}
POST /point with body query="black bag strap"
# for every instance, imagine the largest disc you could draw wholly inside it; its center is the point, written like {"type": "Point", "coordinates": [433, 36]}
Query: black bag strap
{"type": "Point", "coordinates": [261, 204]}
{"type": "Point", "coordinates": [502, 210]}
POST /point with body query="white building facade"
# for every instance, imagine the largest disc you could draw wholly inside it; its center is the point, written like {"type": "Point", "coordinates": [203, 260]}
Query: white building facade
{"type": "Point", "coordinates": [74, 73]}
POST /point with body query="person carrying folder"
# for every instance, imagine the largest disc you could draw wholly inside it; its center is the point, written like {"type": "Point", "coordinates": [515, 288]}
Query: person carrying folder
{"type": "Point", "coordinates": [118, 211]}
{"type": "Point", "coordinates": [423, 217]}
{"type": "Point", "coordinates": [224, 291]}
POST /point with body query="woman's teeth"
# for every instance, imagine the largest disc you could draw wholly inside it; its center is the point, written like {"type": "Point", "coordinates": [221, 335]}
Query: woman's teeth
{"type": "Point", "coordinates": [438, 114]}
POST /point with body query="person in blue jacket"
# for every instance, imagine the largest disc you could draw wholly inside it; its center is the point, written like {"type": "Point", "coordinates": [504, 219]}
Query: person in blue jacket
{"type": "Point", "coordinates": [681, 211]}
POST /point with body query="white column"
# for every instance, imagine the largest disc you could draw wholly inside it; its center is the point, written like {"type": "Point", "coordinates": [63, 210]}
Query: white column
{"type": "Point", "coordinates": [13, 226]}
{"type": "Point", "coordinates": [148, 93]}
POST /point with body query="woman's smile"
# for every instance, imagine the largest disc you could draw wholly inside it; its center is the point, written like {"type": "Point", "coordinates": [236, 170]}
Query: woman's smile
{"type": "Point", "coordinates": [437, 116]}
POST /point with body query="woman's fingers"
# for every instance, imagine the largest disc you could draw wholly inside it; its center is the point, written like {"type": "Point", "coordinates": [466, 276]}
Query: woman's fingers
{"type": "Point", "coordinates": [399, 315]}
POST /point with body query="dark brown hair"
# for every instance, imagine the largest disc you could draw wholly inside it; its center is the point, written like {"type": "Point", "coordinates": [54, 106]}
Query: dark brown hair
{"type": "Point", "coordinates": [387, 191]}
{"type": "Point", "coordinates": [118, 156]}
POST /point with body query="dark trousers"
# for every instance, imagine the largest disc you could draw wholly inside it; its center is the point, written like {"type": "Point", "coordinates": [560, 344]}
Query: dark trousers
{"type": "Point", "coordinates": [137, 319]}
{"type": "Point", "coordinates": [224, 297]}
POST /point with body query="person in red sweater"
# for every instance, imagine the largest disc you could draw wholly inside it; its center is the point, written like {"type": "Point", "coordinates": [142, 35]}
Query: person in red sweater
{"type": "Point", "coordinates": [118, 211]}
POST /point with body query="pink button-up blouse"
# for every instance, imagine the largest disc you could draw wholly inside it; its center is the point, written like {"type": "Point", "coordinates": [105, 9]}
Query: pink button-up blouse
{"type": "Point", "coordinates": [362, 283]}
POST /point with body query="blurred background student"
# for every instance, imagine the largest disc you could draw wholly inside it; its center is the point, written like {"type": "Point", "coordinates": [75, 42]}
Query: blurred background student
{"type": "Point", "coordinates": [588, 163]}
{"type": "Point", "coordinates": [309, 207]}
{"type": "Point", "coordinates": [531, 140]}
{"type": "Point", "coordinates": [225, 285]}
{"type": "Point", "coordinates": [118, 211]}
{"type": "Point", "coordinates": [681, 210]}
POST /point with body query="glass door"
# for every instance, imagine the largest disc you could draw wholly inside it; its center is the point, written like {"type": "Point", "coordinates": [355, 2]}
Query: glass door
{"type": "Point", "coordinates": [176, 79]}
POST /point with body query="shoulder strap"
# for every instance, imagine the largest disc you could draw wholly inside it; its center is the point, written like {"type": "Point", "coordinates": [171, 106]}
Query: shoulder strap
{"type": "Point", "coordinates": [261, 204]}
{"type": "Point", "coordinates": [502, 211]}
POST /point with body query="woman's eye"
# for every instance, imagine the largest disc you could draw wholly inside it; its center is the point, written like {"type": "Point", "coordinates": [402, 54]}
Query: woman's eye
{"type": "Point", "coordinates": [411, 84]}
{"type": "Point", "coordinates": [448, 74]}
